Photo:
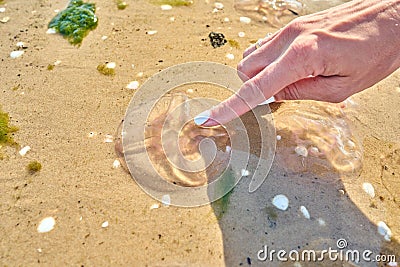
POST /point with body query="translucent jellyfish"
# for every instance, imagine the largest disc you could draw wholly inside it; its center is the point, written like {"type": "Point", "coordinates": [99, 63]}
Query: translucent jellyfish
{"type": "Point", "coordinates": [317, 137]}
{"type": "Point", "coordinates": [280, 12]}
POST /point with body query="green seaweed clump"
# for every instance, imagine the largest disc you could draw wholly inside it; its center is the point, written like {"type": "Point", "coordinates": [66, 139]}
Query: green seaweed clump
{"type": "Point", "coordinates": [76, 21]}
{"type": "Point", "coordinates": [172, 2]}
{"type": "Point", "coordinates": [34, 166]}
{"type": "Point", "coordinates": [233, 43]}
{"type": "Point", "coordinates": [103, 69]}
{"type": "Point", "coordinates": [6, 130]}
{"type": "Point", "coordinates": [121, 4]}
{"type": "Point", "coordinates": [50, 67]}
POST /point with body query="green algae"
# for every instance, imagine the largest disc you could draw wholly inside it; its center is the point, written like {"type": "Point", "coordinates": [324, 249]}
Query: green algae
{"type": "Point", "coordinates": [50, 67]}
{"type": "Point", "coordinates": [234, 43]}
{"type": "Point", "coordinates": [121, 5]}
{"type": "Point", "coordinates": [172, 2]}
{"type": "Point", "coordinates": [103, 69]}
{"type": "Point", "coordinates": [76, 21]}
{"type": "Point", "coordinates": [6, 130]}
{"type": "Point", "coordinates": [34, 167]}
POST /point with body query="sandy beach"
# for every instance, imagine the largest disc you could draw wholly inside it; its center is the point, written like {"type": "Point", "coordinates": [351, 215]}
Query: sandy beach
{"type": "Point", "coordinates": [65, 113]}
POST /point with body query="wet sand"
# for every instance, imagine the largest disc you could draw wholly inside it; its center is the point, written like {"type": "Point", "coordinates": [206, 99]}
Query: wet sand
{"type": "Point", "coordinates": [56, 110]}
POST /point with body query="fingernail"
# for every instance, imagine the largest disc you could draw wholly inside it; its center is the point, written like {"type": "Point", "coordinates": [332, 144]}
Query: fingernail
{"type": "Point", "coordinates": [202, 118]}
{"type": "Point", "coordinates": [268, 101]}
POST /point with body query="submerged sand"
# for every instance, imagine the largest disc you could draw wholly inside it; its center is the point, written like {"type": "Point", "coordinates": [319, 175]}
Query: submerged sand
{"type": "Point", "coordinates": [56, 110]}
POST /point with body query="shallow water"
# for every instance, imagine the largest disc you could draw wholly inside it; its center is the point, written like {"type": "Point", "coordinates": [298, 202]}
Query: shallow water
{"type": "Point", "coordinates": [278, 12]}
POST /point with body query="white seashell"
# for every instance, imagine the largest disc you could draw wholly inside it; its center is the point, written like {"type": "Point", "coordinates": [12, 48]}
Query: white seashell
{"type": "Point", "coordinates": [166, 200]}
{"type": "Point", "coordinates": [384, 230]}
{"type": "Point", "coordinates": [301, 151]}
{"type": "Point", "coordinates": [56, 10]}
{"type": "Point", "coordinates": [245, 20]}
{"type": "Point", "coordinates": [166, 7]}
{"type": "Point", "coordinates": [226, 19]}
{"type": "Point", "coordinates": [278, 137]}
{"type": "Point", "coordinates": [172, 19]}
{"type": "Point", "coordinates": [151, 32]}
{"type": "Point", "coordinates": [46, 225]}
{"type": "Point", "coordinates": [215, 10]}
{"type": "Point", "coordinates": [20, 44]}
{"type": "Point", "coordinates": [5, 19]}
{"type": "Point", "coordinates": [111, 65]}
{"type": "Point", "coordinates": [51, 31]}
{"type": "Point", "coordinates": [305, 212]}
{"type": "Point", "coordinates": [241, 34]}
{"type": "Point", "coordinates": [230, 56]}
{"type": "Point", "coordinates": [189, 91]}
{"type": "Point", "coordinates": [24, 150]}
{"type": "Point", "coordinates": [154, 206]}
{"type": "Point", "coordinates": [228, 149]}
{"type": "Point", "coordinates": [281, 202]}
{"type": "Point", "coordinates": [139, 75]}
{"type": "Point", "coordinates": [321, 222]}
{"type": "Point", "coordinates": [108, 138]}
{"type": "Point", "coordinates": [39, 250]}
{"type": "Point", "coordinates": [2, 9]}
{"type": "Point", "coordinates": [245, 173]}
{"type": "Point", "coordinates": [133, 85]}
{"type": "Point", "coordinates": [369, 189]}
{"type": "Point", "coordinates": [218, 5]}
{"type": "Point", "coordinates": [104, 37]}
{"type": "Point", "coordinates": [116, 164]}
{"type": "Point", "coordinates": [104, 224]}
{"type": "Point", "coordinates": [57, 62]}
{"type": "Point", "coordinates": [392, 264]}
{"type": "Point", "coordinates": [15, 54]}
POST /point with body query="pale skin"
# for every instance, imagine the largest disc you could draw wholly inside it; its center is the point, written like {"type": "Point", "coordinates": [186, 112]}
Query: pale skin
{"type": "Point", "coordinates": [326, 56]}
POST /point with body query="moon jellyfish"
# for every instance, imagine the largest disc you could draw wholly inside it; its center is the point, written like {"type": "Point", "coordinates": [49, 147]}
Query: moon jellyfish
{"type": "Point", "coordinates": [317, 137]}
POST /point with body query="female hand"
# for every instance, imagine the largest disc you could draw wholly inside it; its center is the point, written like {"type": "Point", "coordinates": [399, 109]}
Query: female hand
{"type": "Point", "coordinates": [326, 56]}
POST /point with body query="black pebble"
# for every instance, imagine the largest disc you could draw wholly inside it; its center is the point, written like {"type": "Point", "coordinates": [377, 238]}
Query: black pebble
{"type": "Point", "coordinates": [217, 39]}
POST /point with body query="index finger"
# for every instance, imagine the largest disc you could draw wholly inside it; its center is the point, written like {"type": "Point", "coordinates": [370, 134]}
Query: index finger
{"type": "Point", "coordinates": [288, 69]}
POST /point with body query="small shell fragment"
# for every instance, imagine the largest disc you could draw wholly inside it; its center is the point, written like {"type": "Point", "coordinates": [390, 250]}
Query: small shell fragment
{"type": "Point", "coordinates": [104, 37]}
{"type": "Point", "coordinates": [384, 230]}
{"type": "Point", "coordinates": [154, 206]}
{"type": "Point", "coordinates": [189, 91]}
{"type": "Point", "coordinates": [140, 74]}
{"type": "Point", "coordinates": [151, 32]}
{"type": "Point", "coordinates": [301, 151]}
{"type": "Point", "coordinates": [321, 222]}
{"type": "Point", "coordinates": [104, 224]}
{"type": "Point", "coordinates": [133, 85]}
{"type": "Point", "coordinates": [2, 9]}
{"type": "Point", "coordinates": [226, 19]}
{"type": "Point", "coordinates": [24, 150]}
{"type": "Point", "coordinates": [166, 200]}
{"type": "Point", "coordinates": [278, 137]}
{"type": "Point", "coordinates": [20, 44]}
{"type": "Point", "coordinates": [218, 5]}
{"type": "Point", "coordinates": [116, 164]}
{"type": "Point", "coordinates": [15, 54]}
{"type": "Point", "coordinates": [230, 56]}
{"type": "Point", "coordinates": [166, 7]}
{"type": "Point", "coordinates": [111, 65]}
{"type": "Point", "coordinates": [51, 31]}
{"type": "Point", "coordinates": [245, 173]}
{"type": "Point", "coordinates": [369, 189]}
{"type": "Point", "coordinates": [5, 19]}
{"type": "Point", "coordinates": [305, 212]}
{"type": "Point", "coordinates": [245, 20]}
{"type": "Point", "coordinates": [241, 34]}
{"type": "Point", "coordinates": [108, 138]}
{"type": "Point", "coordinates": [46, 225]}
{"type": "Point", "coordinates": [280, 202]}
{"type": "Point", "coordinates": [228, 149]}
{"type": "Point", "coordinates": [314, 150]}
